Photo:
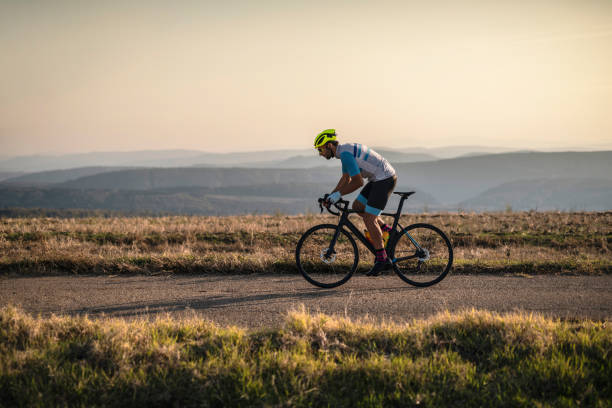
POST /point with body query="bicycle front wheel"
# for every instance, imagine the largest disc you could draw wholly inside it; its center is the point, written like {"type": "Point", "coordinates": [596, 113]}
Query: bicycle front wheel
{"type": "Point", "coordinates": [324, 267]}
{"type": "Point", "coordinates": [422, 255]}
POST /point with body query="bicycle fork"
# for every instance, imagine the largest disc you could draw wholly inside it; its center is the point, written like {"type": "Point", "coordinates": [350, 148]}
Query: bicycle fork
{"type": "Point", "coordinates": [330, 250]}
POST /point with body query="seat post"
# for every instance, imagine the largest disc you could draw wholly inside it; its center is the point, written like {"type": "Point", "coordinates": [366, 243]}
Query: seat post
{"type": "Point", "coordinates": [399, 212]}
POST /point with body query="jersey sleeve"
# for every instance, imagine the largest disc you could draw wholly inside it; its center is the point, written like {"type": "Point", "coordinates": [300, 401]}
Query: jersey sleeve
{"type": "Point", "coordinates": [349, 164]}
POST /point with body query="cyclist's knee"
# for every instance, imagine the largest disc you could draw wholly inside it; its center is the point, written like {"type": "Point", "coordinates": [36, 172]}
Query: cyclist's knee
{"type": "Point", "coordinates": [369, 217]}
{"type": "Point", "coordinates": [358, 206]}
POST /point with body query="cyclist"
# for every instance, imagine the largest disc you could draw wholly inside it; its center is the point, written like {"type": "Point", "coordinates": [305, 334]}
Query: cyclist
{"type": "Point", "coordinates": [359, 162]}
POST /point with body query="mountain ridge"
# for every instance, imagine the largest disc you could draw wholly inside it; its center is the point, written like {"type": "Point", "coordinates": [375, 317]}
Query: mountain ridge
{"type": "Point", "coordinates": [464, 182]}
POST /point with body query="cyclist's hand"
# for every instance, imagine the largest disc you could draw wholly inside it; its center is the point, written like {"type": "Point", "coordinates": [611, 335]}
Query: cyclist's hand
{"type": "Point", "coordinates": [333, 197]}
{"type": "Point", "coordinates": [323, 202]}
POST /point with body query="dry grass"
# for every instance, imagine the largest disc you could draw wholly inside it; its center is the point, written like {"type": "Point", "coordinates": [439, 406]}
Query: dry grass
{"type": "Point", "coordinates": [471, 359]}
{"type": "Point", "coordinates": [526, 242]}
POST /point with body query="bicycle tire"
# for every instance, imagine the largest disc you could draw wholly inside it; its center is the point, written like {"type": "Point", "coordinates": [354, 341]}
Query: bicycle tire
{"type": "Point", "coordinates": [310, 257]}
{"type": "Point", "coordinates": [424, 268]}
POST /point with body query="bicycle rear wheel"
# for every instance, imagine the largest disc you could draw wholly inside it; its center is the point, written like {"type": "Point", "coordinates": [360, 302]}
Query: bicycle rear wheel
{"type": "Point", "coordinates": [321, 267]}
{"type": "Point", "coordinates": [422, 255]}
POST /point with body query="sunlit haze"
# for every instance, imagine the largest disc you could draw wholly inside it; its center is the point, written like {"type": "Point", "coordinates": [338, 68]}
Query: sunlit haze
{"type": "Point", "coordinates": [255, 75]}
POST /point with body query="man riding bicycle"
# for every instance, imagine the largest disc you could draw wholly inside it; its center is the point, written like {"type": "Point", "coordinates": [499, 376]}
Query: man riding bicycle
{"type": "Point", "coordinates": [359, 162]}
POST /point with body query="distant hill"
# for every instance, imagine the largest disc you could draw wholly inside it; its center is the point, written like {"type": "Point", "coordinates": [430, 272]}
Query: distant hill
{"type": "Point", "coordinates": [449, 152]}
{"type": "Point", "coordinates": [158, 178]}
{"type": "Point", "coordinates": [293, 162]}
{"type": "Point", "coordinates": [291, 198]}
{"type": "Point", "coordinates": [59, 176]}
{"type": "Point", "coordinates": [267, 158]}
{"type": "Point", "coordinates": [312, 191]}
{"type": "Point", "coordinates": [5, 175]}
{"type": "Point", "coordinates": [37, 163]}
{"type": "Point", "coordinates": [546, 194]}
{"type": "Point", "coordinates": [449, 181]}
{"type": "Point", "coordinates": [457, 180]}
{"type": "Point", "coordinates": [396, 156]}
{"type": "Point", "coordinates": [475, 154]}
{"type": "Point", "coordinates": [479, 182]}
{"type": "Point", "coordinates": [287, 158]}
{"type": "Point", "coordinates": [313, 160]}
{"type": "Point", "coordinates": [145, 158]}
{"type": "Point", "coordinates": [179, 201]}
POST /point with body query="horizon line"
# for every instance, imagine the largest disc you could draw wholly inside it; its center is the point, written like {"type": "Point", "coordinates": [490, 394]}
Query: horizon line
{"type": "Point", "coordinates": [601, 147]}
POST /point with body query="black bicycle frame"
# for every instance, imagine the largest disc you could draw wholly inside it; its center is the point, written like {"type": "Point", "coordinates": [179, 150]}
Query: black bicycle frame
{"type": "Point", "coordinates": [344, 221]}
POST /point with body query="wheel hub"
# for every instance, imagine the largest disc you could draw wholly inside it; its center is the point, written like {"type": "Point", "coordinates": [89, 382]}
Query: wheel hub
{"type": "Point", "coordinates": [423, 255]}
{"type": "Point", "coordinates": [327, 258]}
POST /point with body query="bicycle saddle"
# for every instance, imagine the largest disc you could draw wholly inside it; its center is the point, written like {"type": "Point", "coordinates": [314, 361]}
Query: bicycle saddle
{"type": "Point", "coordinates": [404, 194]}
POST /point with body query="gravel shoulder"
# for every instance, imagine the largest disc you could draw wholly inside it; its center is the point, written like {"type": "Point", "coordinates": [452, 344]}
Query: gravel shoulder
{"type": "Point", "coordinates": [257, 301]}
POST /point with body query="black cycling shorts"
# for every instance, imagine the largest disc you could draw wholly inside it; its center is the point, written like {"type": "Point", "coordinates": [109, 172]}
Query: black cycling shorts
{"type": "Point", "coordinates": [375, 194]}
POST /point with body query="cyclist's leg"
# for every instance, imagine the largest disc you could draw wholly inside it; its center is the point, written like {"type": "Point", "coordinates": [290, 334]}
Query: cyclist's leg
{"type": "Point", "coordinates": [361, 202]}
{"type": "Point", "coordinates": [362, 199]}
{"type": "Point", "coordinates": [371, 223]}
{"type": "Point", "coordinates": [376, 202]}
{"type": "Point", "coordinates": [358, 206]}
{"type": "Point", "coordinates": [380, 255]}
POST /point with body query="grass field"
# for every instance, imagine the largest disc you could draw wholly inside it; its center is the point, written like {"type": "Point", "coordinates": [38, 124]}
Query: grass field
{"type": "Point", "coordinates": [497, 243]}
{"type": "Point", "coordinates": [471, 359]}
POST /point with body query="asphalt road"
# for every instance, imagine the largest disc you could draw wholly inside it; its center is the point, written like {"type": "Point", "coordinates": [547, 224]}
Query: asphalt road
{"type": "Point", "coordinates": [263, 301]}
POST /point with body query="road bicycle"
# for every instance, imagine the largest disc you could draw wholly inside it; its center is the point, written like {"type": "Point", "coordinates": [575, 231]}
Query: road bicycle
{"type": "Point", "coordinates": [327, 254]}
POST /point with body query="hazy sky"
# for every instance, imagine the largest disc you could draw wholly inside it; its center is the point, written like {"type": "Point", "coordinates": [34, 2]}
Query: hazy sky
{"type": "Point", "coordinates": [253, 75]}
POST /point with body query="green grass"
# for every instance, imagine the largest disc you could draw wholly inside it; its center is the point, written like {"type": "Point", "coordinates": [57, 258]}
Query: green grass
{"type": "Point", "coordinates": [244, 264]}
{"type": "Point", "coordinates": [472, 359]}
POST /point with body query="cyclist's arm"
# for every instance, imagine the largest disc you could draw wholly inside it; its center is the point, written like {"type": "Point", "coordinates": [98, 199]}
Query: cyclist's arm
{"type": "Point", "coordinates": [344, 180]}
{"type": "Point", "coordinates": [350, 173]}
{"type": "Point", "coordinates": [354, 183]}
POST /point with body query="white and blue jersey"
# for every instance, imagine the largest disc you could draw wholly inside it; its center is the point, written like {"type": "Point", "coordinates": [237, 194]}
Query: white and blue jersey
{"type": "Point", "coordinates": [357, 158]}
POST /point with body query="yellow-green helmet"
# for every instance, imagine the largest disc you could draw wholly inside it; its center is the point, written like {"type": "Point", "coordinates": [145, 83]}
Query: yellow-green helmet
{"type": "Point", "coordinates": [325, 136]}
